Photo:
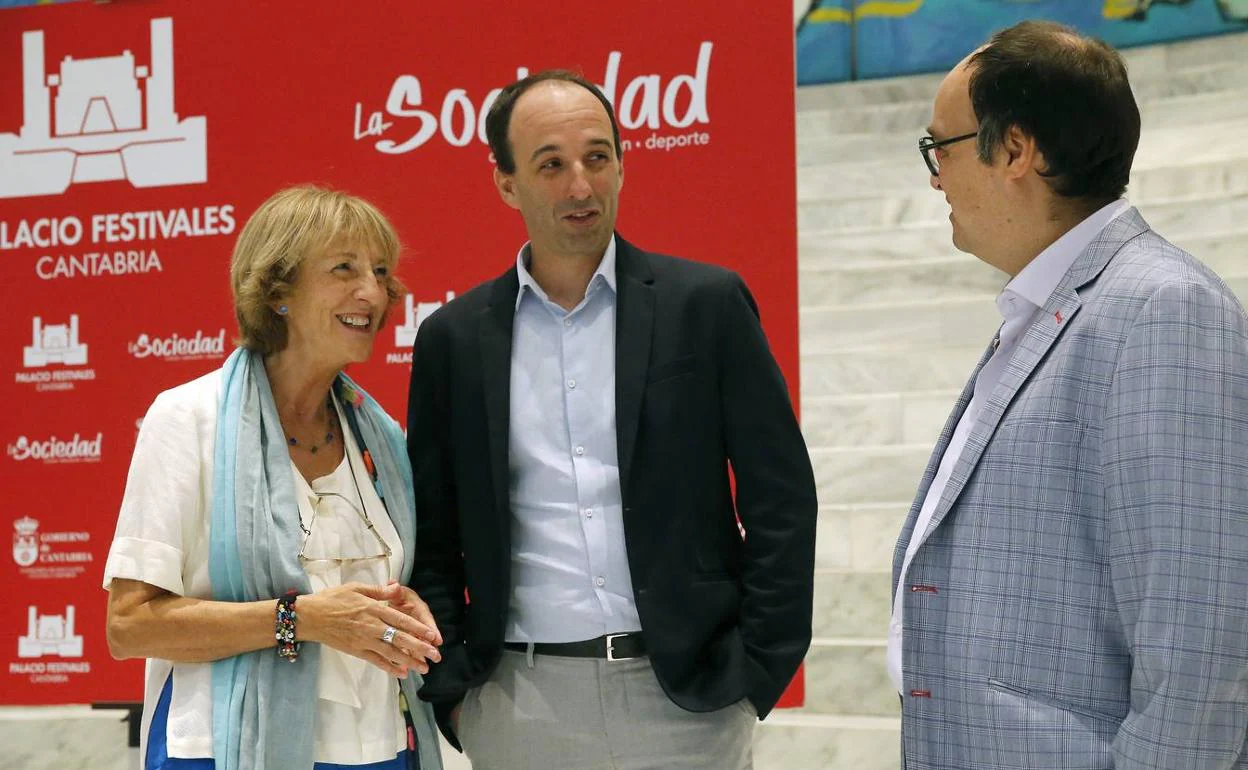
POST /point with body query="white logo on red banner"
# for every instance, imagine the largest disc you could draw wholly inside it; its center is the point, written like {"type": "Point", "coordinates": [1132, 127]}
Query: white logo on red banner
{"type": "Point", "coordinates": [176, 347]}
{"type": "Point", "coordinates": [25, 541]}
{"type": "Point", "coordinates": [75, 449]}
{"type": "Point", "coordinates": [414, 314]}
{"type": "Point", "coordinates": [108, 126]}
{"type": "Point", "coordinates": [644, 102]}
{"type": "Point", "coordinates": [47, 555]}
{"type": "Point", "coordinates": [50, 636]}
{"type": "Point", "coordinates": [54, 344]}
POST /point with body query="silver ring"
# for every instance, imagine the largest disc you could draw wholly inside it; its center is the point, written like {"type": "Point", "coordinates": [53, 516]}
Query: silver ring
{"type": "Point", "coordinates": [387, 636]}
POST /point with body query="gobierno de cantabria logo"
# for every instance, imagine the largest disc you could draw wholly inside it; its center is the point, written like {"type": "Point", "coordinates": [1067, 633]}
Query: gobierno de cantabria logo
{"type": "Point", "coordinates": [91, 122]}
{"type": "Point", "coordinates": [25, 541]}
{"type": "Point", "coordinates": [50, 555]}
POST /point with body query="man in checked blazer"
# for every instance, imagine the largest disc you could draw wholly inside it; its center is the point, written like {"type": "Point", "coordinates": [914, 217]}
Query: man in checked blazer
{"type": "Point", "coordinates": [571, 427]}
{"type": "Point", "coordinates": [1071, 584]}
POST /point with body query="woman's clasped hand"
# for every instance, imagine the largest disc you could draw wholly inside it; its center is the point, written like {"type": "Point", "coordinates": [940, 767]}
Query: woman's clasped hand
{"type": "Point", "coordinates": [353, 618]}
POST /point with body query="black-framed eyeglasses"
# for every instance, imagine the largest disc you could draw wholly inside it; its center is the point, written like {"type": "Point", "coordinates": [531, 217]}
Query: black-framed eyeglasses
{"type": "Point", "coordinates": [927, 144]}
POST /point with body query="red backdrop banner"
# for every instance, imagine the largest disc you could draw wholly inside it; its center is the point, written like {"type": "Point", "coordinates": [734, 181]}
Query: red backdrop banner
{"type": "Point", "coordinates": [136, 138]}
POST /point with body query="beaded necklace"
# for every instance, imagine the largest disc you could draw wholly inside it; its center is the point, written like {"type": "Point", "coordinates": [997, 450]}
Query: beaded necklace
{"type": "Point", "coordinates": [329, 434]}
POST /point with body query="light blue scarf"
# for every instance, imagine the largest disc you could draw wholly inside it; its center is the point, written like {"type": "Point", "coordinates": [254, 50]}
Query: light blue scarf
{"type": "Point", "coordinates": [260, 701]}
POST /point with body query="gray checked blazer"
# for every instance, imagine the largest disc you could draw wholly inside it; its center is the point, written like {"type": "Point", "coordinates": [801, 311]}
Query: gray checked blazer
{"type": "Point", "coordinates": [1081, 600]}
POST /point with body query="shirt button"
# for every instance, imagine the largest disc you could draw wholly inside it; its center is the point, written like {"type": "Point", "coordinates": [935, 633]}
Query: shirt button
{"type": "Point", "coordinates": [567, 322]}
{"type": "Point", "coordinates": [589, 513]}
{"type": "Point", "coordinates": [571, 383]}
{"type": "Point", "coordinates": [580, 450]}
{"type": "Point", "coordinates": [600, 581]}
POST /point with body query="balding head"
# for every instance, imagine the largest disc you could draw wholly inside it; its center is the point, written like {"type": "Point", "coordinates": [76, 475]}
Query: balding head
{"type": "Point", "coordinates": [1070, 93]}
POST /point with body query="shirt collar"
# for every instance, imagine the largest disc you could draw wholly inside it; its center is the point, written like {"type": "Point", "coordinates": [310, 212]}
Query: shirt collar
{"type": "Point", "coordinates": [1037, 282]}
{"type": "Point", "coordinates": [605, 274]}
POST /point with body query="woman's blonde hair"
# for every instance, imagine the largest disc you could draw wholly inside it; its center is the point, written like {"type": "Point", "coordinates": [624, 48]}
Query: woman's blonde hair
{"type": "Point", "coordinates": [294, 224]}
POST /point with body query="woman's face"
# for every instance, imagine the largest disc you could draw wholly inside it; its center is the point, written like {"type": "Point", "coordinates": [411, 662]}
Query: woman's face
{"type": "Point", "coordinates": [336, 306]}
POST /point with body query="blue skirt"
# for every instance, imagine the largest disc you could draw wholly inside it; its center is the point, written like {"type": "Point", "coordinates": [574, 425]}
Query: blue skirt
{"type": "Point", "coordinates": [158, 750]}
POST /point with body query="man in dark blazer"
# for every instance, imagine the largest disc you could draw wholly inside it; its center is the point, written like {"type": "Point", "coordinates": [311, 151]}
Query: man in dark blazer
{"type": "Point", "coordinates": [572, 425]}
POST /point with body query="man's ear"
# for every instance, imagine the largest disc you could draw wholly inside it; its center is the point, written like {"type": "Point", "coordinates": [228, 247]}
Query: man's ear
{"type": "Point", "coordinates": [1020, 153]}
{"type": "Point", "coordinates": [506, 184]}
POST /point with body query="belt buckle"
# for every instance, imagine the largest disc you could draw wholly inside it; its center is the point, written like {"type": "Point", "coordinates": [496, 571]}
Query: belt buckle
{"type": "Point", "coordinates": [611, 647]}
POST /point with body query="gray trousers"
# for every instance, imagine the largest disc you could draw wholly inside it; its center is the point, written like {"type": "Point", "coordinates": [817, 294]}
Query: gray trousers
{"type": "Point", "coordinates": [545, 712]}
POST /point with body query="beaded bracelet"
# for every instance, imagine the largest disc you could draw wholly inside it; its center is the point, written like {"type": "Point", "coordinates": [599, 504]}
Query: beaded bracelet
{"type": "Point", "coordinates": [287, 647]}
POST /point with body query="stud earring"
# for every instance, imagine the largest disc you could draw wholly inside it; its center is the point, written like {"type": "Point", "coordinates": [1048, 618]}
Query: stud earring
{"type": "Point", "coordinates": [282, 310]}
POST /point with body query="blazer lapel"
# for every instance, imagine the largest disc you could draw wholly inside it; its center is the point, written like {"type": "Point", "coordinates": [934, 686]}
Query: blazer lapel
{"type": "Point", "coordinates": [1054, 319]}
{"type": "Point", "coordinates": [1031, 349]}
{"type": "Point", "coordinates": [495, 329]}
{"type": "Point", "coordinates": [933, 465]}
{"type": "Point", "coordinates": [634, 324]}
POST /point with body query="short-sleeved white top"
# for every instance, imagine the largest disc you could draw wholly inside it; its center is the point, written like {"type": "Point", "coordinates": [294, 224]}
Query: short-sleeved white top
{"type": "Point", "coordinates": [162, 539]}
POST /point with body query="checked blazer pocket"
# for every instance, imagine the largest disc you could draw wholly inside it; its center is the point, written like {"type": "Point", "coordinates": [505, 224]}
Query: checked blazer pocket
{"type": "Point", "coordinates": [1029, 730]}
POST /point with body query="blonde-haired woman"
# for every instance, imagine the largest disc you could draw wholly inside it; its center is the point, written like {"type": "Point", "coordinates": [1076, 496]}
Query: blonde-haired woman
{"type": "Point", "coordinates": [267, 529]}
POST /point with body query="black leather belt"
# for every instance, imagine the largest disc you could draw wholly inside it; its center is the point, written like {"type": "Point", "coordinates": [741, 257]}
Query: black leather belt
{"type": "Point", "coordinates": [611, 647]}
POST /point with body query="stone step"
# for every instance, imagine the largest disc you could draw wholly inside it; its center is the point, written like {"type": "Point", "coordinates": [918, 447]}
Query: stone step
{"type": "Point", "coordinates": [830, 285]}
{"type": "Point", "coordinates": [859, 537]}
{"type": "Point", "coordinates": [897, 231]}
{"type": "Point", "coordinates": [876, 419]}
{"type": "Point", "coordinates": [1239, 285]}
{"type": "Point", "coordinates": [880, 92]}
{"type": "Point", "coordinates": [907, 325]}
{"type": "Point", "coordinates": [1153, 95]}
{"type": "Point", "coordinates": [876, 132]}
{"type": "Point", "coordinates": [797, 741]}
{"type": "Point", "coordinates": [815, 147]}
{"type": "Point", "coordinates": [873, 213]}
{"type": "Point", "coordinates": [874, 283]}
{"type": "Point", "coordinates": [1155, 175]}
{"type": "Point", "coordinates": [1143, 63]}
{"type": "Point", "coordinates": [888, 370]}
{"type": "Point", "coordinates": [59, 737]}
{"type": "Point", "coordinates": [865, 475]}
{"type": "Point", "coordinates": [852, 678]}
{"type": "Point", "coordinates": [904, 246]}
{"type": "Point", "coordinates": [56, 737]}
{"type": "Point", "coordinates": [854, 604]}
{"type": "Point", "coordinates": [1197, 183]}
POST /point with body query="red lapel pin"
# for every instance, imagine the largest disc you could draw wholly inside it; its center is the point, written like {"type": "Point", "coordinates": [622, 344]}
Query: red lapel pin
{"type": "Point", "coordinates": [1058, 316]}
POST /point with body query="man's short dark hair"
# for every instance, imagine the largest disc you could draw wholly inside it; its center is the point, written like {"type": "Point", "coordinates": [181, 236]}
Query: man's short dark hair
{"type": "Point", "coordinates": [1071, 94]}
{"type": "Point", "coordinates": [498, 121]}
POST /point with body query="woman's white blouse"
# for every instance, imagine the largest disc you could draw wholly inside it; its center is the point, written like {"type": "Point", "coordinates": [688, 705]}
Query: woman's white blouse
{"type": "Point", "coordinates": [162, 539]}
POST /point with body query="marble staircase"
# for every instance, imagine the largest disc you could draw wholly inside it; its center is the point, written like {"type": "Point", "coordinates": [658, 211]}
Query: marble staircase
{"type": "Point", "coordinates": [893, 319]}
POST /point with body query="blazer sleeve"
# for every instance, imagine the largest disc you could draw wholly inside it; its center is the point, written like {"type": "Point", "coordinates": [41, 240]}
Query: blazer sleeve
{"type": "Point", "coordinates": [1175, 459]}
{"type": "Point", "coordinates": [438, 571]}
{"type": "Point", "coordinates": [775, 498]}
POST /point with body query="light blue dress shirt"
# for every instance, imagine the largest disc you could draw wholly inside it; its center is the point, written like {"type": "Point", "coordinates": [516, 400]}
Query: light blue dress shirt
{"type": "Point", "coordinates": [569, 568]}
